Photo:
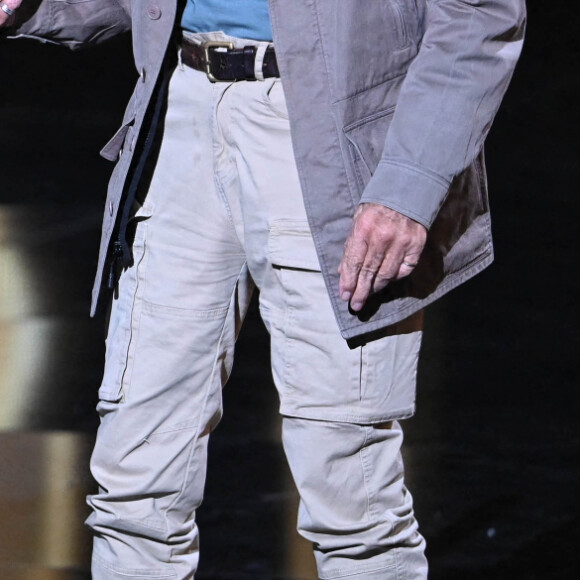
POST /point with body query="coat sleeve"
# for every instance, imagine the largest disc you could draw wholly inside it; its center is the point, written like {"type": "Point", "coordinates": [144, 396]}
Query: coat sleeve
{"type": "Point", "coordinates": [72, 24]}
{"type": "Point", "coordinates": [447, 102]}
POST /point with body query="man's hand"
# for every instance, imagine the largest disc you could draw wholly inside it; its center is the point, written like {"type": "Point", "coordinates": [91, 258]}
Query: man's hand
{"type": "Point", "coordinates": [383, 245]}
{"type": "Point", "coordinates": [7, 10]}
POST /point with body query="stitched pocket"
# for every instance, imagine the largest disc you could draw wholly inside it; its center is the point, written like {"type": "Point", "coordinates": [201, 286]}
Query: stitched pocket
{"type": "Point", "coordinates": [366, 139]}
{"type": "Point", "coordinates": [274, 97]}
{"type": "Point", "coordinates": [290, 245]}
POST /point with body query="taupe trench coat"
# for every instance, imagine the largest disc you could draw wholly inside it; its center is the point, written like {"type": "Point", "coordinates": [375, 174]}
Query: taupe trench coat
{"type": "Point", "coordinates": [389, 101]}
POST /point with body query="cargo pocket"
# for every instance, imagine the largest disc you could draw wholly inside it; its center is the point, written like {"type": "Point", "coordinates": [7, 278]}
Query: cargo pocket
{"type": "Point", "coordinates": [125, 314]}
{"type": "Point", "coordinates": [389, 370]}
{"type": "Point", "coordinates": [290, 245]}
{"type": "Point", "coordinates": [317, 374]}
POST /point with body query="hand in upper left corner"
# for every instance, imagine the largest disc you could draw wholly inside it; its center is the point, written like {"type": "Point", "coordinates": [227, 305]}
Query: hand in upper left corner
{"type": "Point", "coordinates": [384, 245]}
{"type": "Point", "coordinates": [8, 10]}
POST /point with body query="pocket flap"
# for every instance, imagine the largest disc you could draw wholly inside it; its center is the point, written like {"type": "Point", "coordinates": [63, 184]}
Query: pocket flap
{"type": "Point", "coordinates": [290, 245]}
{"type": "Point", "coordinates": [111, 150]}
{"type": "Point", "coordinates": [367, 140]}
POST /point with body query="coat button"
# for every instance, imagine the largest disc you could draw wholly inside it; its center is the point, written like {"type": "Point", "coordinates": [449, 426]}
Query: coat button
{"type": "Point", "coordinates": [154, 12]}
{"type": "Point", "coordinates": [111, 208]}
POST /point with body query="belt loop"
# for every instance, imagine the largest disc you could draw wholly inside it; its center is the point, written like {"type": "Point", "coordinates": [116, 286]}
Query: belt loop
{"type": "Point", "coordinates": [259, 61]}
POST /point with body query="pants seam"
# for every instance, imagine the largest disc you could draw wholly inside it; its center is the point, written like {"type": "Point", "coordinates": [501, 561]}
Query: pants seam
{"type": "Point", "coordinates": [135, 321]}
{"type": "Point", "coordinates": [342, 573]}
{"type": "Point", "coordinates": [131, 572]}
{"type": "Point", "coordinates": [366, 468]}
{"type": "Point", "coordinates": [217, 181]}
{"type": "Point", "coordinates": [398, 563]}
{"type": "Point", "coordinates": [288, 321]}
{"type": "Point", "coordinates": [206, 396]}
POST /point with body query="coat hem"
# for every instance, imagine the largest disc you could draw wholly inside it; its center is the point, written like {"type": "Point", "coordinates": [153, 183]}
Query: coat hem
{"type": "Point", "coordinates": [474, 268]}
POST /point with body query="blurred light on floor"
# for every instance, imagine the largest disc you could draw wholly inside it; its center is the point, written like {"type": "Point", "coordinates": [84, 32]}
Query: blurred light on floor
{"type": "Point", "coordinates": [43, 481]}
{"type": "Point", "coordinates": [24, 336]}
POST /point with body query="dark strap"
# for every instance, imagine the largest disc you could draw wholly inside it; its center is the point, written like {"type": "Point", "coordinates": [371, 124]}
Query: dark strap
{"type": "Point", "coordinates": [228, 64]}
{"type": "Point", "coordinates": [120, 254]}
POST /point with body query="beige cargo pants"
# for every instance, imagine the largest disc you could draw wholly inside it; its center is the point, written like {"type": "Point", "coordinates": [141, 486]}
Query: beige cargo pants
{"type": "Point", "coordinates": [224, 212]}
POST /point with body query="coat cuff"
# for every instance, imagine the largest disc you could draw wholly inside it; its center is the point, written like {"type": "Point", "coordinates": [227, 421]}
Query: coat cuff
{"type": "Point", "coordinates": [413, 191]}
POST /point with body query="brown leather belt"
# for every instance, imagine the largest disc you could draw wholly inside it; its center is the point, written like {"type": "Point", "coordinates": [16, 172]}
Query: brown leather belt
{"type": "Point", "coordinates": [222, 62]}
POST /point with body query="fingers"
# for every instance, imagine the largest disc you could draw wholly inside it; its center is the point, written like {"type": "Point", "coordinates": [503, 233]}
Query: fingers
{"type": "Point", "coordinates": [407, 266]}
{"type": "Point", "coordinates": [383, 246]}
{"type": "Point", "coordinates": [363, 272]}
{"type": "Point", "coordinates": [381, 266]}
{"type": "Point", "coordinates": [7, 11]}
{"type": "Point", "coordinates": [355, 252]}
{"type": "Point", "coordinates": [350, 269]}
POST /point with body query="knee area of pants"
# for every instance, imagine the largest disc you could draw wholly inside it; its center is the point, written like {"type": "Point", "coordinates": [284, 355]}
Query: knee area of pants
{"type": "Point", "coordinates": [338, 439]}
{"type": "Point", "coordinates": [321, 438]}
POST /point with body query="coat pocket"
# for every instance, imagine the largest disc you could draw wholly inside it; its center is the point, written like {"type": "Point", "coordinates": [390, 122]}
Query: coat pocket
{"type": "Point", "coordinates": [366, 141]}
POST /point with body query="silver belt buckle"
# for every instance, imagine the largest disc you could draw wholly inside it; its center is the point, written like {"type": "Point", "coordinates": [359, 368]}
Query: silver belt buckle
{"type": "Point", "coordinates": [207, 46]}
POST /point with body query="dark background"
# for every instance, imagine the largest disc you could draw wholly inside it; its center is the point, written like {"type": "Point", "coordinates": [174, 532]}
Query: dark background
{"type": "Point", "coordinates": [492, 454]}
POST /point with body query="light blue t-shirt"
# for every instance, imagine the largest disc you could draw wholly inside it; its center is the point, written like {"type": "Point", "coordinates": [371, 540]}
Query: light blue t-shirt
{"type": "Point", "coordinates": [240, 18]}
